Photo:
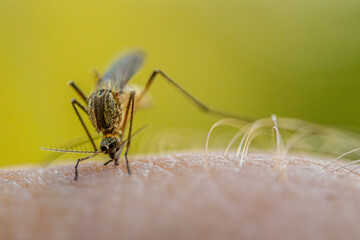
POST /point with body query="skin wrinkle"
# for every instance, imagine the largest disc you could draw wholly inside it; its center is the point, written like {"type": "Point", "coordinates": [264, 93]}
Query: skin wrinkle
{"type": "Point", "coordinates": [174, 197]}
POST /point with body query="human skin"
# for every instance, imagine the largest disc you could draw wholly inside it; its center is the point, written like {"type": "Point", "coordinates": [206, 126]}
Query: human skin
{"type": "Point", "coordinates": [174, 197]}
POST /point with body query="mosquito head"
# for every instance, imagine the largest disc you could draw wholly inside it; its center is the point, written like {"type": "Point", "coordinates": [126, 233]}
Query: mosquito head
{"type": "Point", "coordinates": [110, 145]}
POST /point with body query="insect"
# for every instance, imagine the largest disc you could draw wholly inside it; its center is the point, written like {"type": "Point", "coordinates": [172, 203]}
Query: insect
{"type": "Point", "coordinates": [111, 106]}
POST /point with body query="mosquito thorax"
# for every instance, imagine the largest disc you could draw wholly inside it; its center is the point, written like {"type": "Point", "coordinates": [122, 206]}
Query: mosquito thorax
{"type": "Point", "coordinates": [104, 109]}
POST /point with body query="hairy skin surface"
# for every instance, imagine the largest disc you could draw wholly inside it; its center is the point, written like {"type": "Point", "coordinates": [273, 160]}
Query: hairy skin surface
{"type": "Point", "coordinates": [174, 197]}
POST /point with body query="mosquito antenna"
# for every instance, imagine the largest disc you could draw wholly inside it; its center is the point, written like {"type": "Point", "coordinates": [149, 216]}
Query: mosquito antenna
{"type": "Point", "coordinates": [67, 150]}
{"type": "Point", "coordinates": [71, 146]}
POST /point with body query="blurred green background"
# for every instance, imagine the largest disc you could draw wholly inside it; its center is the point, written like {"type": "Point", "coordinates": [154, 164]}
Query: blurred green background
{"type": "Point", "coordinates": [294, 58]}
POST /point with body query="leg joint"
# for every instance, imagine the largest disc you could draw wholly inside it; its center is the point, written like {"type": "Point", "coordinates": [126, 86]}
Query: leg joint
{"type": "Point", "coordinates": [156, 72]}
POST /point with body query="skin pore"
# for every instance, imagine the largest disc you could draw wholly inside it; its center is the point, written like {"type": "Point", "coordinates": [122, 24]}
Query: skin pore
{"type": "Point", "coordinates": [173, 197]}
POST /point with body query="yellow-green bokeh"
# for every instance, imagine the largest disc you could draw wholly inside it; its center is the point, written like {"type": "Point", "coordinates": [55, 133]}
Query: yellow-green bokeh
{"type": "Point", "coordinates": [293, 58]}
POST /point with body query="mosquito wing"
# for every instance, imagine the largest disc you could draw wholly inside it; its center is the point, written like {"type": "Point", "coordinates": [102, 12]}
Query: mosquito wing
{"type": "Point", "coordinates": [121, 71]}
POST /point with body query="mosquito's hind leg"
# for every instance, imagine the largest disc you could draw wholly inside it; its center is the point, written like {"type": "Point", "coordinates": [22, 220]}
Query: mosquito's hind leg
{"type": "Point", "coordinates": [186, 94]}
{"type": "Point", "coordinates": [74, 104]}
{"type": "Point", "coordinates": [78, 90]}
{"type": "Point", "coordinates": [77, 164]}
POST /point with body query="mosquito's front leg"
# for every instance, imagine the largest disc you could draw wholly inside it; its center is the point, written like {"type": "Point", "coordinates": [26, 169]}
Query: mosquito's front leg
{"type": "Point", "coordinates": [126, 117]}
{"type": "Point", "coordinates": [186, 94]}
{"type": "Point", "coordinates": [77, 164]}
{"type": "Point", "coordinates": [74, 104]}
{"type": "Point", "coordinates": [131, 104]}
{"type": "Point", "coordinates": [78, 90]}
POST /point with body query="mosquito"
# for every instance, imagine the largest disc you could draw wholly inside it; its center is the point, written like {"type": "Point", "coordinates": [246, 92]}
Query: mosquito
{"type": "Point", "coordinates": [111, 107]}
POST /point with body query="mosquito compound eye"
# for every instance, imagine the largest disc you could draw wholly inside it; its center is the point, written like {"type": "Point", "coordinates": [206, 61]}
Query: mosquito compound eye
{"type": "Point", "coordinates": [103, 148]}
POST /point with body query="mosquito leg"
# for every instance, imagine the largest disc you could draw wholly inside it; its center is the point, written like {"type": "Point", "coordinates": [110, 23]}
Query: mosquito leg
{"type": "Point", "coordinates": [186, 94]}
{"type": "Point", "coordinates": [118, 154]}
{"type": "Point", "coordinates": [108, 162]}
{"type": "Point", "coordinates": [77, 164]}
{"type": "Point", "coordinates": [132, 102]}
{"type": "Point", "coordinates": [122, 128]}
{"type": "Point", "coordinates": [78, 90]}
{"type": "Point", "coordinates": [76, 103]}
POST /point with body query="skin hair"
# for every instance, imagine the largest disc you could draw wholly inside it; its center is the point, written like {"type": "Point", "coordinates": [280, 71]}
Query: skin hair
{"type": "Point", "coordinates": [174, 197]}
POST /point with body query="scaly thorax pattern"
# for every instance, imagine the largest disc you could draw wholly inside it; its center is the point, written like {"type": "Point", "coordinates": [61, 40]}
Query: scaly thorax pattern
{"type": "Point", "coordinates": [104, 109]}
